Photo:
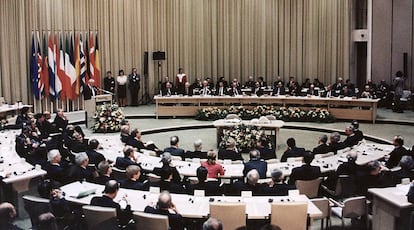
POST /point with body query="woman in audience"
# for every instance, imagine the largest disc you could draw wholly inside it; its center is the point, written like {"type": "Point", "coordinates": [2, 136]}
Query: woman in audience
{"type": "Point", "coordinates": [214, 169]}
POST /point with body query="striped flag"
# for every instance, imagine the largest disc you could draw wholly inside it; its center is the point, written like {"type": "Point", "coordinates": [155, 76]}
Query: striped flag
{"type": "Point", "coordinates": [93, 62]}
{"type": "Point", "coordinates": [82, 64]}
{"type": "Point", "coordinates": [60, 68]}
{"type": "Point", "coordinates": [34, 69]}
{"type": "Point", "coordinates": [70, 71]}
{"type": "Point", "coordinates": [76, 86]}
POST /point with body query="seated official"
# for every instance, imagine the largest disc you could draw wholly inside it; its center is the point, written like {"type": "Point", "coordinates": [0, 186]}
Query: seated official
{"type": "Point", "coordinates": [322, 148]}
{"type": "Point", "coordinates": [406, 170]}
{"type": "Point", "coordinates": [258, 90]}
{"type": "Point", "coordinates": [125, 133]}
{"type": "Point", "coordinates": [229, 153]}
{"type": "Point", "coordinates": [79, 144]}
{"type": "Point", "coordinates": [81, 171]}
{"type": "Point", "coordinates": [197, 153]}
{"type": "Point", "coordinates": [174, 148]}
{"type": "Point", "coordinates": [346, 92]}
{"type": "Point", "coordinates": [167, 182]}
{"type": "Point", "coordinates": [167, 166]}
{"type": "Point", "coordinates": [43, 125]}
{"type": "Point", "coordinates": [53, 167]}
{"type": "Point", "coordinates": [169, 90]}
{"type": "Point", "coordinates": [211, 187]}
{"type": "Point", "coordinates": [351, 138]}
{"type": "Point", "coordinates": [398, 151]}
{"type": "Point", "coordinates": [135, 141]}
{"type": "Point", "coordinates": [7, 216]}
{"type": "Point", "coordinates": [94, 156]}
{"type": "Point", "coordinates": [311, 91]}
{"type": "Point", "coordinates": [61, 121]}
{"type": "Point", "coordinates": [277, 187]}
{"type": "Point", "coordinates": [358, 133]}
{"type": "Point", "coordinates": [292, 150]}
{"type": "Point", "coordinates": [133, 174]}
{"type": "Point", "coordinates": [266, 152]}
{"type": "Point", "coordinates": [306, 171]}
{"type": "Point", "coordinates": [348, 168]}
{"type": "Point", "coordinates": [255, 163]}
{"type": "Point", "coordinates": [214, 169]}
{"type": "Point", "coordinates": [329, 92]}
{"type": "Point", "coordinates": [205, 90]}
{"type": "Point", "coordinates": [166, 207]}
{"type": "Point", "coordinates": [212, 224]}
{"type": "Point", "coordinates": [279, 89]}
{"type": "Point", "coordinates": [221, 90]}
{"type": "Point", "coordinates": [128, 159]}
{"type": "Point", "coordinates": [252, 184]}
{"type": "Point", "coordinates": [250, 83]}
{"type": "Point", "coordinates": [335, 142]}
{"type": "Point", "coordinates": [234, 90]}
{"type": "Point", "coordinates": [124, 215]}
{"type": "Point", "coordinates": [104, 171]}
{"type": "Point", "coordinates": [188, 91]}
{"type": "Point", "coordinates": [371, 176]}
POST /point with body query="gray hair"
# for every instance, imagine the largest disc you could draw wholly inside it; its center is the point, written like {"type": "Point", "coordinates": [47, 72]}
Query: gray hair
{"type": "Point", "coordinates": [277, 175]}
{"type": "Point", "coordinates": [213, 224]}
{"type": "Point", "coordinates": [52, 154]}
{"type": "Point", "coordinates": [253, 176]}
{"type": "Point", "coordinates": [80, 158]}
{"type": "Point", "coordinates": [323, 138]}
{"type": "Point", "coordinates": [335, 136]}
{"type": "Point", "coordinates": [406, 162]}
{"type": "Point", "coordinates": [198, 145]}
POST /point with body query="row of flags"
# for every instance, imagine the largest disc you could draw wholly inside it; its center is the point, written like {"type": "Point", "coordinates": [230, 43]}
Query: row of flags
{"type": "Point", "coordinates": [64, 63]}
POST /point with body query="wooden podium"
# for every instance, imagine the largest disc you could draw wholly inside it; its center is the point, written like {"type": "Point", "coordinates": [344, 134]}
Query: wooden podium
{"type": "Point", "coordinates": [90, 107]}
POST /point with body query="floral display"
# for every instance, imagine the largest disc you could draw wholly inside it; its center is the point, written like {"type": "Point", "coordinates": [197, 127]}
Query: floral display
{"type": "Point", "coordinates": [280, 112]}
{"type": "Point", "coordinates": [246, 137]}
{"type": "Point", "coordinates": [108, 119]}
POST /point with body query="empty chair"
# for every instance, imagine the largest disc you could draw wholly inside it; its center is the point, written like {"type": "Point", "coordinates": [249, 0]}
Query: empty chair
{"type": "Point", "coordinates": [149, 221]}
{"type": "Point", "coordinates": [351, 208]}
{"type": "Point", "coordinates": [118, 174]}
{"type": "Point", "coordinates": [100, 217]}
{"type": "Point", "coordinates": [310, 188]}
{"type": "Point", "coordinates": [345, 187]}
{"type": "Point", "coordinates": [35, 206]}
{"type": "Point", "coordinates": [324, 206]}
{"type": "Point", "coordinates": [289, 215]}
{"type": "Point", "coordinates": [233, 215]}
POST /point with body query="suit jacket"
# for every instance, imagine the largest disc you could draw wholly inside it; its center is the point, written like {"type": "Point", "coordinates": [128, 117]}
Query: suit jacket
{"type": "Point", "coordinates": [277, 189]}
{"type": "Point", "coordinates": [94, 157]}
{"type": "Point", "coordinates": [225, 92]}
{"type": "Point", "coordinates": [135, 143]}
{"type": "Point", "coordinates": [239, 186]}
{"type": "Point", "coordinates": [277, 91]}
{"type": "Point", "coordinates": [131, 184]}
{"type": "Point", "coordinates": [225, 154]}
{"type": "Point", "coordinates": [351, 141]}
{"type": "Point", "coordinates": [175, 221]}
{"type": "Point", "coordinates": [259, 165]}
{"type": "Point", "coordinates": [395, 156]}
{"type": "Point", "coordinates": [56, 172]}
{"type": "Point", "coordinates": [123, 215]}
{"type": "Point", "coordinates": [234, 91]}
{"type": "Point", "coordinates": [359, 135]}
{"type": "Point", "coordinates": [205, 91]}
{"type": "Point", "coordinates": [304, 172]}
{"type": "Point", "coordinates": [175, 151]}
{"type": "Point", "coordinates": [168, 92]}
{"type": "Point", "coordinates": [211, 188]}
{"type": "Point", "coordinates": [195, 154]}
{"type": "Point", "coordinates": [336, 146]}
{"type": "Point", "coordinates": [89, 91]}
{"type": "Point", "coordinates": [60, 123]}
{"type": "Point", "coordinates": [124, 162]}
{"type": "Point", "coordinates": [102, 180]}
{"type": "Point", "coordinates": [266, 153]}
{"type": "Point", "coordinates": [293, 152]}
{"type": "Point", "coordinates": [321, 149]}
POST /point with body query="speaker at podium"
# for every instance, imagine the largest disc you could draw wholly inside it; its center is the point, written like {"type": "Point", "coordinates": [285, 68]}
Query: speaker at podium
{"type": "Point", "coordinates": [90, 107]}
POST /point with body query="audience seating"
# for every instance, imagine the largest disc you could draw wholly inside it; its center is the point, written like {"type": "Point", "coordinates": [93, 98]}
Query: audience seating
{"type": "Point", "coordinates": [323, 205]}
{"type": "Point", "coordinates": [100, 217]}
{"type": "Point", "coordinates": [35, 206]}
{"type": "Point", "coordinates": [345, 187]}
{"type": "Point", "coordinates": [118, 174]}
{"type": "Point", "coordinates": [149, 221]}
{"type": "Point", "coordinates": [233, 215]}
{"type": "Point", "coordinates": [351, 208]}
{"type": "Point", "coordinates": [294, 159]}
{"type": "Point", "coordinates": [289, 215]}
{"type": "Point", "coordinates": [310, 188]}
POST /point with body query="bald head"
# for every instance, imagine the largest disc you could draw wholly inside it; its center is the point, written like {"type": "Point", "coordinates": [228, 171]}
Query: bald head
{"type": "Point", "coordinates": [164, 200]}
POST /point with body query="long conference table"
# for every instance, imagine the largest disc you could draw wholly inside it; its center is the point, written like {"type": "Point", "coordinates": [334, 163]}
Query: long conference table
{"type": "Point", "coordinates": [189, 206]}
{"type": "Point", "coordinates": [342, 108]}
{"type": "Point", "coordinates": [112, 148]}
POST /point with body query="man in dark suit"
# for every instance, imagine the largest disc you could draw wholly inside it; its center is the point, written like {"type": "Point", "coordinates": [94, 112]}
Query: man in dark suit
{"type": "Point", "coordinates": [197, 153]}
{"type": "Point", "coordinates": [188, 91]}
{"type": "Point", "coordinates": [206, 89]}
{"type": "Point", "coordinates": [277, 187]}
{"type": "Point", "coordinates": [94, 157]}
{"type": "Point", "coordinates": [107, 200]}
{"type": "Point", "coordinates": [109, 82]}
{"type": "Point", "coordinates": [252, 184]}
{"type": "Point", "coordinates": [166, 207]}
{"type": "Point", "coordinates": [335, 142]}
{"type": "Point", "coordinates": [133, 173]}
{"type": "Point", "coordinates": [221, 90]}
{"type": "Point", "coordinates": [292, 150]}
{"type": "Point", "coordinates": [398, 151]}
{"type": "Point", "coordinates": [128, 159]}
{"type": "Point", "coordinates": [174, 147]}
{"type": "Point", "coordinates": [169, 90]}
{"type": "Point", "coordinates": [136, 142]}
{"type": "Point", "coordinates": [90, 90]}
{"type": "Point", "coordinates": [134, 81]}
{"type": "Point", "coordinates": [55, 170]}
{"type": "Point", "coordinates": [351, 138]}
{"type": "Point", "coordinates": [104, 171]}
{"type": "Point", "coordinates": [279, 89]}
{"type": "Point", "coordinates": [61, 121]}
{"type": "Point", "coordinates": [322, 148]}
{"type": "Point", "coordinates": [211, 187]}
{"type": "Point", "coordinates": [255, 163]}
{"type": "Point", "coordinates": [358, 133]}
{"type": "Point", "coordinates": [312, 91]}
{"type": "Point", "coordinates": [258, 90]}
{"type": "Point", "coordinates": [306, 171]}
{"type": "Point", "coordinates": [234, 90]}
{"type": "Point", "coordinates": [229, 153]}
{"type": "Point", "coordinates": [266, 152]}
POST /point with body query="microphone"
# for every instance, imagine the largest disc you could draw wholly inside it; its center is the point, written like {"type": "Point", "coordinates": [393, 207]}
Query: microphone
{"type": "Point", "coordinates": [105, 91]}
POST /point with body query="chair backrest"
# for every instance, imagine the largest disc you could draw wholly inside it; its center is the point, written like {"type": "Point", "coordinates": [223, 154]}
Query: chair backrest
{"type": "Point", "coordinates": [323, 205]}
{"type": "Point", "coordinates": [233, 215]}
{"type": "Point", "coordinates": [35, 206]}
{"type": "Point", "coordinates": [345, 186]}
{"type": "Point", "coordinates": [355, 207]}
{"type": "Point", "coordinates": [271, 161]}
{"type": "Point", "coordinates": [97, 217]}
{"type": "Point", "coordinates": [294, 159]}
{"type": "Point", "coordinates": [310, 188]}
{"type": "Point", "coordinates": [118, 174]}
{"type": "Point", "coordinates": [152, 178]}
{"type": "Point", "coordinates": [289, 215]}
{"type": "Point", "coordinates": [149, 221]}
